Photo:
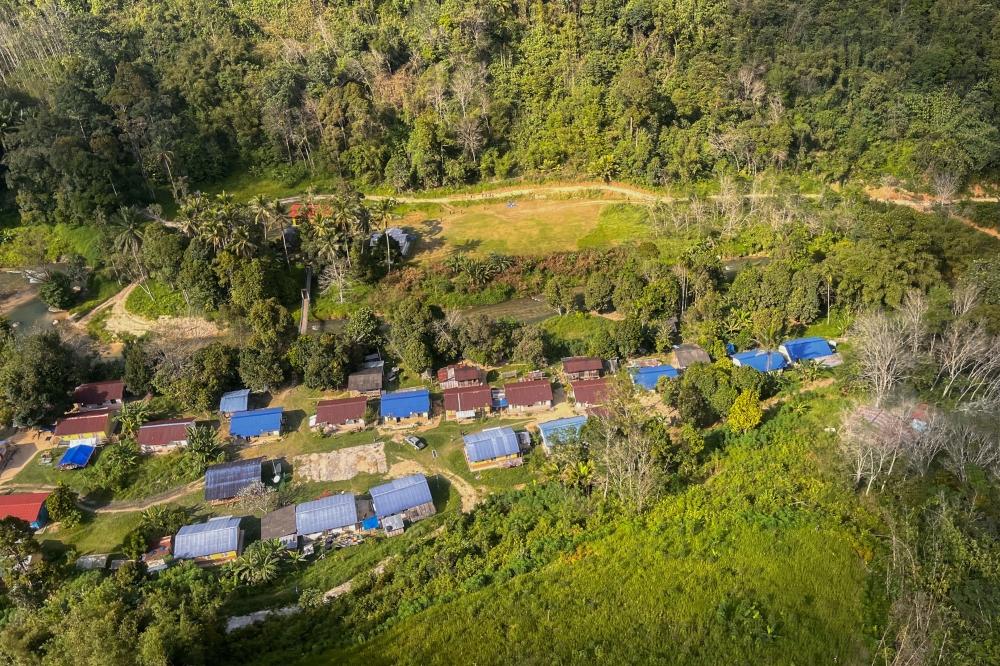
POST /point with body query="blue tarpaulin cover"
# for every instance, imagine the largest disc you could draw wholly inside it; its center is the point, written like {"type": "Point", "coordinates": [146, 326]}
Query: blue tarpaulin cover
{"type": "Point", "coordinates": [234, 401]}
{"type": "Point", "coordinates": [491, 443]}
{"type": "Point", "coordinates": [76, 457]}
{"type": "Point", "coordinates": [400, 495]}
{"type": "Point", "coordinates": [327, 513]}
{"type": "Point", "coordinates": [805, 348]}
{"type": "Point", "coordinates": [564, 427]}
{"type": "Point", "coordinates": [255, 422]}
{"type": "Point", "coordinates": [403, 404]}
{"type": "Point", "coordinates": [370, 523]}
{"type": "Point", "coordinates": [647, 377]}
{"type": "Point", "coordinates": [760, 360]}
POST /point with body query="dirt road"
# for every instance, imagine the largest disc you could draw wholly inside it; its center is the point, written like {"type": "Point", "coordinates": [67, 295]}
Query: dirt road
{"type": "Point", "coordinates": [465, 490]}
{"type": "Point", "coordinates": [143, 504]}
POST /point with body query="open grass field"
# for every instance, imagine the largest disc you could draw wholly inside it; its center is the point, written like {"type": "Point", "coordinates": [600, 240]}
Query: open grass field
{"type": "Point", "coordinates": [530, 227]}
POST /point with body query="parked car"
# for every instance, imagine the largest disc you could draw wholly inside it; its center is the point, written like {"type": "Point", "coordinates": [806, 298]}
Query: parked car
{"type": "Point", "coordinates": [415, 442]}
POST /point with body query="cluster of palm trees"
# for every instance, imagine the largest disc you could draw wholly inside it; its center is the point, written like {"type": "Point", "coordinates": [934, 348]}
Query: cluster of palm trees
{"type": "Point", "coordinates": [223, 224]}
{"type": "Point", "coordinates": [480, 271]}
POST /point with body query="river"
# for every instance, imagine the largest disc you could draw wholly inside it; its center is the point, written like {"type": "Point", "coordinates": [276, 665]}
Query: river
{"type": "Point", "coordinates": [29, 313]}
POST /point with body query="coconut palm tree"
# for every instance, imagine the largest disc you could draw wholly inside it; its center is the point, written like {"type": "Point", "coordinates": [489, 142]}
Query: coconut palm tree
{"type": "Point", "coordinates": [260, 206]}
{"type": "Point", "coordinates": [128, 240]}
{"type": "Point", "coordinates": [281, 216]}
{"type": "Point", "coordinates": [240, 243]}
{"type": "Point", "coordinates": [132, 415]}
{"type": "Point", "coordinates": [213, 232]}
{"type": "Point", "coordinates": [192, 214]}
{"type": "Point", "coordinates": [382, 215]}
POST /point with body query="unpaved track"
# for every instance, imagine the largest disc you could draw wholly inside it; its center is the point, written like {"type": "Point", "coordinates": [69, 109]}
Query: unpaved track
{"type": "Point", "coordinates": [145, 503]}
{"type": "Point", "coordinates": [465, 490]}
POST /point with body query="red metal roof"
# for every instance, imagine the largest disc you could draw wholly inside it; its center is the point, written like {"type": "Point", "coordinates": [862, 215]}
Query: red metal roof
{"type": "Point", "coordinates": [468, 398]}
{"type": "Point", "coordinates": [26, 506]}
{"type": "Point", "coordinates": [460, 373]}
{"type": "Point", "coordinates": [161, 433]}
{"type": "Point", "coordinates": [526, 394]}
{"type": "Point", "coordinates": [341, 411]}
{"type": "Point", "coordinates": [99, 393]}
{"type": "Point", "coordinates": [589, 391]}
{"type": "Point", "coordinates": [582, 364]}
{"type": "Point", "coordinates": [85, 422]}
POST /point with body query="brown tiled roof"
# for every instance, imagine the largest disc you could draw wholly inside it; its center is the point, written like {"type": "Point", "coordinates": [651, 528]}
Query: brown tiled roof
{"type": "Point", "coordinates": [525, 394]}
{"type": "Point", "coordinates": [589, 391]}
{"type": "Point", "coordinates": [369, 379]}
{"type": "Point", "coordinates": [84, 422]}
{"type": "Point", "coordinates": [582, 364]}
{"type": "Point", "coordinates": [467, 398]}
{"type": "Point", "coordinates": [278, 523]}
{"type": "Point", "coordinates": [161, 433]}
{"type": "Point", "coordinates": [341, 411]}
{"type": "Point", "coordinates": [99, 393]}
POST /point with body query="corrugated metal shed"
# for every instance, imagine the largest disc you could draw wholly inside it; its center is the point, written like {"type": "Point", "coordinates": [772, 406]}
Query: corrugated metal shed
{"type": "Point", "coordinates": [648, 377]}
{"type": "Point", "coordinates": [76, 457]}
{"type": "Point", "coordinates": [226, 480]}
{"type": "Point", "coordinates": [563, 427]}
{"type": "Point", "coordinates": [805, 349]}
{"type": "Point", "coordinates": [365, 381]}
{"type": "Point", "coordinates": [400, 494]}
{"type": "Point", "coordinates": [491, 443]}
{"type": "Point", "coordinates": [98, 393]}
{"type": "Point", "coordinates": [328, 513]}
{"type": "Point", "coordinates": [218, 535]}
{"type": "Point", "coordinates": [255, 422]}
{"type": "Point", "coordinates": [685, 355]}
{"type": "Point", "coordinates": [403, 404]}
{"type": "Point", "coordinates": [341, 411]}
{"type": "Point", "coordinates": [234, 401]}
{"type": "Point", "coordinates": [278, 524]}
{"type": "Point", "coordinates": [161, 433]}
{"type": "Point", "coordinates": [526, 394]}
{"type": "Point", "coordinates": [760, 360]}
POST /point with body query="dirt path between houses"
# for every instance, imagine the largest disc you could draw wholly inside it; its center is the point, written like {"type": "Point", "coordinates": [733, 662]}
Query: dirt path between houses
{"type": "Point", "coordinates": [142, 504]}
{"type": "Point", "coordinates": [469, 495]}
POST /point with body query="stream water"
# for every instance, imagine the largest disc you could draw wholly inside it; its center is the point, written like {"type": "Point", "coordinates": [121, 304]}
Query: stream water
{"type": "Point", "coordinates": [26, 315]}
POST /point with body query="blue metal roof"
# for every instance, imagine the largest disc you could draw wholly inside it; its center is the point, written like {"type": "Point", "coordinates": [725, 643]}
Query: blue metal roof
{"type": "Point", "coordinates": [569, 427]}
{"type": "Point", "coordinates": [491, 443]}
{"type": "Point", "coordinates": [255, 422]}
{"type": "Point", "coordinates": [403, 404]}
{"type": "Point", "coordinates": [327, 513]}
{"type": "Point", "coordinates": [805, 348]}
{"type": "Point", "coordinates": [76, 456]}
{"type": "Point", "coordinates": [648, 377]}
{"type": "Point", "coordinates": [400, 495]}
{"type": "Point", "coordinates": [760, 360]}
{"type": "Point", "coordinates": [226, 480]}
{"type": "Point", "coordinates": [218, 535]}
{"type": "Point", "coordinates": [234, 401]}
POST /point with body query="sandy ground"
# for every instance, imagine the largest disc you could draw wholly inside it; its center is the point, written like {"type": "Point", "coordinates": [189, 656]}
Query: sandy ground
{"type": "Point", "coordinates": [343, 464]}
{"type": "Point", "coordinates": [28, 443]}
{"type": "Point", "coordinates": [122, 321]}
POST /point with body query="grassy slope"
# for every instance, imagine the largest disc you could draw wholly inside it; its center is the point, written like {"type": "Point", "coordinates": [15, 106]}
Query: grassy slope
{"type": "Point", "coordinates": [761, 564]}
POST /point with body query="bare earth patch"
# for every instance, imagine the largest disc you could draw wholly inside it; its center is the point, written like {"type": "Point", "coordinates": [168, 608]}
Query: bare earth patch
{"type": "Point", "coordinates": [342, 465]}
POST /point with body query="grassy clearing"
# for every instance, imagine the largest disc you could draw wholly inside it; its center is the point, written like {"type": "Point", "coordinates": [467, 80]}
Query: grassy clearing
{"type": "Point", "coordinates": [574, 331]}
{"type": "Point", "coordinates": [97, 327]}
{"type": "Point", "coordinates": [164, 301]}
{"type": "Point", "coordinates": [617, 222]}
{"type": "Point", "coordinates": [100, 288]}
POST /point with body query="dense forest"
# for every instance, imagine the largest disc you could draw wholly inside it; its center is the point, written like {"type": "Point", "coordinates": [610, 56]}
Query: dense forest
{"type": "Point", "coordinates": [101, 103]}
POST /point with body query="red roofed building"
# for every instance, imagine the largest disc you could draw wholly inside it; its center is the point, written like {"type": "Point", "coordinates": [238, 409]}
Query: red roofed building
{"type": "Point", "coordinates": [467, 402]}
{"type": "Point", "coordinates": [582, 367]}
{"type": "Point", "coordinates": [589, 392]}
{"type": "Point", "coordinates": [341, 414]}
{"type": "Point", "coordinates": [99, 394]}
{"type": "Point", "coordinates": [528, 396]}
{"type": "Point", "coordinates": [164, 436]}
{"type": "Point", "coordinates": [86, 427]}
{"type": "Point", "coordinates": [457, 376]}
{"type": "Point", "coordinates": [29, 507]}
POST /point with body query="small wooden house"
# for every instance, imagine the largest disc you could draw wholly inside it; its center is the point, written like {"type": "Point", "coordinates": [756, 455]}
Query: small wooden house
{"type": "Point", "coordinates": [257, 425]}
{"type": "Point", "coordinates": [685, 355]}
{"type": "Point", "coordinates": [460, 376]}
{"type": "Point", "coordinates": [408, 498]}
{"type": "Point", "coordinates": [582, 367]}
{"type": "Point", "coordinates": [589, 392]}
{"type": "Point", "coordinates": [524, 397]}
{"type": "Point", "coordinates": [405, 408]}
{"type": "Point", "coordinates": [99, 395]}
{"type": "Point", "coordinates": [86, 428]}
{"type": "Point", "coordinates": [367, 381]}
{"type": "Point", "coordinates": [158, 437]}
{"type": "Point", "coordinates": [467, 402]}
{"type": "Point", "coordinates": [342, 415]}
{"type": "Point", "coordinates": [29, 507]}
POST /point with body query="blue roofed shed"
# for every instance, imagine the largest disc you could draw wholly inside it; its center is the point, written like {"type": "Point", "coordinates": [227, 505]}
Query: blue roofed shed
{"type": "Point", "coordinates": [409, 496]}
{"type": "Point", "coordinates": [234, 401]}
{"type": "Point", "coordinates": [760, 360]}
{"type": "Point", "coordinates": [648, 377]}
{"type": "Point", "coordinates": [564, 428]}
{"type": "Point", "coordinates": [225, 481]}
{"type": "Point", "coordinates": [803, 349]}
{"type": "Point", "coordinates": [218, 540]}
{"type": "Point", "coordinates": [76, 457]}
{"type": "Point", "coordinates": [327, 514]}
{"type": "Point", "coordinates": [257, 423]}
{"type": "Point", "coordinates": [406, 405]}
{"type": "Point", "coordinates": [493, 447]}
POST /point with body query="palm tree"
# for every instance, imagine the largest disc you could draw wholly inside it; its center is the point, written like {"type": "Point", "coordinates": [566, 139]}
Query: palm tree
{"type": "Point", "coordinates": [203, 449]}
{"type": "Point", "coordinates": [382, 215]}
{"type": "Point", "coordinates": [192, 214]}
{"type": "Point", "coordinates": [132, 415]}
{"type": "Point", "coordinates": [341, 215]}
{"type": "Point", "coordinates": [259, 562]}
{"type": "Point", "coordinates": [260, 206]}
{"type": "Point", "coordinates": [128, 240]}
{"type": "Point", "coordinates": [768, 326]}
{"type": "Point", "coordinates": [165, 157]}
{"type": "Point", "coordinates": [281, 216]}
{"type": "Point", "coordinates": [240, 244]}
{"type": "Point", "coordinates": [214, 233]}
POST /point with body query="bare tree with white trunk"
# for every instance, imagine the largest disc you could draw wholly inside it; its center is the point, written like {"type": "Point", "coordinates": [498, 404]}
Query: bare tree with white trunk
{"type": "Point", "coordinates": [884, 357]}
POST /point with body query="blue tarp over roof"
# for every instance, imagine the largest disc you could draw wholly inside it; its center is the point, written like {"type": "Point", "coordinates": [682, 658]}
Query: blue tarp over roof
{"type": "Point", "coordinates": [218, 535]}
{"type": "Point", "coordinates": [327, 513]}
{"type": "Point", "coordinates": [400, 495]}
{"type": "Point", "coordinates": [568, 427]}
{"type": "Point", "coordinates": [255, 422]}
{"type": "Point", "coordinates": [234, 401]}
{"type": "Point", "coordinates": [403, 404]}
{"type": "Point", "coordinates": [760, 360]}
{"type": "Point", "coordinates": [805, 348]}
{"type": "Point", "coordinates": [647, 377]}
{"type": "Point", "coordinates": [491, 443]}
{"type": "Point", "coordinates": [76, 456]}
{"type": "Point", "coordinates": [226, 480]}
